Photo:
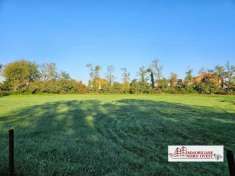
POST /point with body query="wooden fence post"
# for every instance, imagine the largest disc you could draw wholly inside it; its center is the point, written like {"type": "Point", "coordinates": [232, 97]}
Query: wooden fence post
{"type": "Point", "coordinates": [11, 152]}
{"type": "Point", "coordinates": [231, 163]}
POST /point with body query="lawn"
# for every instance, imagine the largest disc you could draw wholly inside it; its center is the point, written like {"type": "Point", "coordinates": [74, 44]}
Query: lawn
{"type": "Point", "coordinates": [113, 135]}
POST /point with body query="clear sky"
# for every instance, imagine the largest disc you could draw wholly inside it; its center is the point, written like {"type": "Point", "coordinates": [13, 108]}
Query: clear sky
{"type": "Point", "coordinates": [124, 33]}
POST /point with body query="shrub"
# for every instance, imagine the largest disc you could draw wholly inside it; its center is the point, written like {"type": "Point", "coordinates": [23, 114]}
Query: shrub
{"type": "Point", "coordinates": [57, 86]}
{"type": "Point", "coordinates": [3, 90]}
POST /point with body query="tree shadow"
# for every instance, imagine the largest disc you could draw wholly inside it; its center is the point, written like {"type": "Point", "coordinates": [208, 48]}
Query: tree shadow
{"type": "Point", "coordinates": [125, 137]}
{"type": "Point", "coordinates": [229, 100]}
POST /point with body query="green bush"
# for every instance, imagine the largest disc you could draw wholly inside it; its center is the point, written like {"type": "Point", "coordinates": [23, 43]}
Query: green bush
{"type": "Point", "coordinates": [206, 88]}
{"type": "Point", "coordinates": [57, 86]}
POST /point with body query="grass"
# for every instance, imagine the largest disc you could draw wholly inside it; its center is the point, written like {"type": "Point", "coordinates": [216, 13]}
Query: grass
{"type": "Point", "coordinates": [113, 135]}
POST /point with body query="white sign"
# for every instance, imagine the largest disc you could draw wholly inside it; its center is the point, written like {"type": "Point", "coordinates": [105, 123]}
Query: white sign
{"type": "Point", "coordinates": [196, 153]}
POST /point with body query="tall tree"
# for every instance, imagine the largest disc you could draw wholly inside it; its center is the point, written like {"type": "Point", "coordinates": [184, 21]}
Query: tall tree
{"type": "Point", "coordinates": [20, 73]}
{"type": "Point", "coordinates": [220, 72]}
{"type": "Point", "coordinates": [173, 80]}
{"type": "Point", "coordinates": [65, 76]}
{"type": "Point", "coordinates": [163, 84]}
{"type": "Point", "coordinates": [156, 69]}
{"type": "Point", "coordinates": [142, 74]}
{"type": "Point", "coordinates": [95, 80]}
{"type": "Point", "coordinates": [1, 69]}
{"type": "Point", "coordinates": [142, 84]}
{"type": "Point", "coordinates": [110, 74]}
{"type": "Point", "coordinates": [149, 70]}
{"type": "Point", "coordinates": [97, 71]}
{"type": "Point", "coordinates": [230, 74]}
{"type": "Point", "coordinates": [188, 77]}
{"type": "Point", "coordinates": [48, 71]}
{"type": "Point", "coordinates": [1, 66]}
{"type": "Point", "coordinates": [91, 73]}
{"type": "Point", "coordinates": [125, 79]}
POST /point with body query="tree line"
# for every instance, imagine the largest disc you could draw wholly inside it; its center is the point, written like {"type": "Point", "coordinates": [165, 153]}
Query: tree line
{"type": "Point", "coordinates": [23, 76]}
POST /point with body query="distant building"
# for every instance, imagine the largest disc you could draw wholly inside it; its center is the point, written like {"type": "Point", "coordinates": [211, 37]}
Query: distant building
{"type": "Point", "coordinates": [208, 77]}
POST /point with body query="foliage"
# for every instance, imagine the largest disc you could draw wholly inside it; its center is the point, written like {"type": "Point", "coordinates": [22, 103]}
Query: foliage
{"type": "Point", "coordinates": [65, 76]}
{"type": "Point", "coordinates": [95, 80]}
{"type": "Point", "coordinates": [57, 86]}
{"type": "Point", "coordinates": [48, 71]}
{"type": "Point", "coordinates": [126, 80]}
{"type": "Point", "coordinates": [156, 68]}
{"type": "Point", "coordinates": [20, 73]}
{"type": "Point", "coordinates": [188, 78]}
{"type": "Point", "coordinates": [4, 90]}
{"type": "Point", "coordinates": [23, 76]}
{"type": "Point", "coordinates": [110, 75]}
{"type": "Point", "coordinates": [206, 88]}
{"type": "Point", "coordinates": [173, 80]}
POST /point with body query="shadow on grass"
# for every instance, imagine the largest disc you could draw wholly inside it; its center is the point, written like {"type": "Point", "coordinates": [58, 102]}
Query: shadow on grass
{"type": "Point", "coordinates": [125, 137]}
{"type": "Point", "coordinates": [228, 100]}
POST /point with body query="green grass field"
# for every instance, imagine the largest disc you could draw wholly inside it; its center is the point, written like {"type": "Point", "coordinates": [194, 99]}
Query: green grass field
{"type": "Point", "coordinates": [113, 135]}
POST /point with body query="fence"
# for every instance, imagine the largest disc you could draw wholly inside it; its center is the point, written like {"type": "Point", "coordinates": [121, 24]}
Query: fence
{"type": "Point", "coordinates": [229, 153]}
{"type": "Point", "coordinates": [11, 152]}
{"type": "Point", "coordinates": [231, 163]}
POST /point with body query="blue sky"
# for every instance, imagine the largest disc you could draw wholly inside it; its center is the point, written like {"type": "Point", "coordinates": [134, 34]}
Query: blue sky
{"type": "Point", "coordinates": [124, 33]}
